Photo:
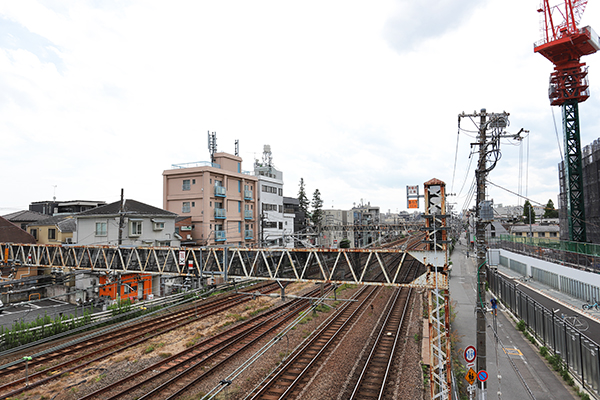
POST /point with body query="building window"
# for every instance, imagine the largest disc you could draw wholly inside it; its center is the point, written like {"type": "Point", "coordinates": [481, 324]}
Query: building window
{"type": "Point", "coordinates": [281, 225]}
{"type": "Point", "coordinates": [193, 204]}
{"type": "Point", "coordinates": [52, 234]}
{"type": "Point", "coordinates": [186, 185]}
{"type": "Point", "coordinates": [193, 181]}
{"type": "Point", "coordinates": [185, 207]}
{"type": "Point", "coordinates": [269, 207]}
{"type": "Point", "coordinates": [519, 233]}
{"type": "Point", "coordinates": [33, 233]}
{"type": "Point", "coordinates": [553, 234]}
{"type": "Point", "coordinates": [101, 229]}
{"type": "Point", "coordinates": [280, 191]}
{"type": "Point", "coordinates": [135, 228]}
{"type": "Point", "coordinates": [239, 226]}
{"type": "Point", "coordinates": [541, 234]}
{"type": "Point", "coordinates": [240, 186]}
{"type": "Point", "coordinates": [158, 225]}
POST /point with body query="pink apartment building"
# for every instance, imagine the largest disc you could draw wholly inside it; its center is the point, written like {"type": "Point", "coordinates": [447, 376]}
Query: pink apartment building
{"type": "Point", "coordinates": [219, 198]}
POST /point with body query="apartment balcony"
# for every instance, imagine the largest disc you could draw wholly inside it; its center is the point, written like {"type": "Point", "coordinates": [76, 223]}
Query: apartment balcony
{"type": "Point", "coordinates": [219, 213]}
{"type": "Point", "coordinates": [220, 236]}
{"type": "Point", "coordinates": [248, 214]}
{"type": "Point", "coordinates": [220, 191]}
{"type": "Point", "coordinates": [248, 234]}
{"type": "Point", "coordinates": [247, 194]}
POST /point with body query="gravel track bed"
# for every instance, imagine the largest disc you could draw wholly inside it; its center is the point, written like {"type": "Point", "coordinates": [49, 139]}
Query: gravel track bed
{"type": "Point", "coordinates": [329, 383]}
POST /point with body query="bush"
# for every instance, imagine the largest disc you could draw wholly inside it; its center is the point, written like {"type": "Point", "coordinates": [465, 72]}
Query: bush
{"type": "Point", "coordinates": [521, 325]}
{"type": "Point", "coordinates": [544, 351]}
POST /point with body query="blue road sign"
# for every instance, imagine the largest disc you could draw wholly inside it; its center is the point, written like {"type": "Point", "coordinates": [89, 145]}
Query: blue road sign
{"type": "Point", "coordinates": [482, 376]}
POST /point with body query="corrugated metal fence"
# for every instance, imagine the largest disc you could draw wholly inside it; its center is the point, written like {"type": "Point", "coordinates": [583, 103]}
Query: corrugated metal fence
{"type": "Point", "coordinates": [579, 353]}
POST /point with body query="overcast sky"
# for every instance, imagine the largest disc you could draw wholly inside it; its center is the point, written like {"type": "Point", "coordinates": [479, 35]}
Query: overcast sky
{"type": "Point", "coordinates": [358, 98]}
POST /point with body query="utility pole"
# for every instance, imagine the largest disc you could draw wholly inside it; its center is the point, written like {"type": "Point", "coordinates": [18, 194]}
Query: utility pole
{"type": "Point", "coordinates": [121, 219]}
{"type": "Point", "coordinates": [489, 154]}
{"type": "Point", "coordinates": [480, 245]}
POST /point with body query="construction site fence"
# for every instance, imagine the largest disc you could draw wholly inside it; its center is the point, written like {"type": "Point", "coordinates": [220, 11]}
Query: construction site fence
{"type": "Point", "coordinates": [578, 255]}
{"type": "Point", "coordinates": [579, 353]}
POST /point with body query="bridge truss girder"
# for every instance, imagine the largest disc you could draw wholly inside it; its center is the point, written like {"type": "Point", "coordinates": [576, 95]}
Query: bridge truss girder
{"type": "Point", "coordinates": [351, 266]}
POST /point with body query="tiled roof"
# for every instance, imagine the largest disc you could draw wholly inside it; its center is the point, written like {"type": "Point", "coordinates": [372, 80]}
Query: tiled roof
{"type": "Point", "coordinates": [10, 233]}
{"type": "Point", "coordinates": [25, 216]}
{"type": "Point", "coordinates": [535, 228]}
{"type": "Point", "coordinates": [65, 223]}
{"type": "Point", "coordinates": [131, 207]}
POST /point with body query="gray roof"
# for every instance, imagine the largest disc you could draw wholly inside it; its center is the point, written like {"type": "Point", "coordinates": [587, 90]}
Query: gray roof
{"type": "Point", "coordinates": [25, 216]}
{"type": "Point", "coordinates": [535, 228]}
{"type": "Point", "coordinates": [131, 207]}
{"type": "Point", "coordinates": [65, 223]}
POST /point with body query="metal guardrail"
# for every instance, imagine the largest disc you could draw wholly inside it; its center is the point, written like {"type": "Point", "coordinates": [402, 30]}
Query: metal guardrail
{"type": "Point", "coordinates": [579, 353]}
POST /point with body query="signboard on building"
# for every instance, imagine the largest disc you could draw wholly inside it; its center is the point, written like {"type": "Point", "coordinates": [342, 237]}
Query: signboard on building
{"type": "Point", "coordinates": [412, 196]}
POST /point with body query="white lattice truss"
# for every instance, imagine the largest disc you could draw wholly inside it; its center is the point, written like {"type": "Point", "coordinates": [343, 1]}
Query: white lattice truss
{"type": "Point", "coordinates": [439, 334]}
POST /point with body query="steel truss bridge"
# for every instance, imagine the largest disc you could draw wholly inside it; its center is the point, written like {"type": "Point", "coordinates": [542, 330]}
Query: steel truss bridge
{"type": "Point", "coordinates": [350, 266]}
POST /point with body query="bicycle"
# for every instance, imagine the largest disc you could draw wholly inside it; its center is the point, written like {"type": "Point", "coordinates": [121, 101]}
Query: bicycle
{"type": "Point", "coordinates": [588, 306]}
{"type": "Point", "coordinates": [580, 324]}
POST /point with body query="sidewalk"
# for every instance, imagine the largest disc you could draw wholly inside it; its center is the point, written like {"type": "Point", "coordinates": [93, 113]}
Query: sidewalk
{"type": "Point", "coordinates": [516, 371]}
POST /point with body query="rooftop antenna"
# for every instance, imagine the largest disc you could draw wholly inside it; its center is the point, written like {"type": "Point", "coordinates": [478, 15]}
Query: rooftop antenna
{"type": "Point", "coordinates": [237, 147]}
{"type": "Point", "coordinates": [267, 156]}
{"type": "Point", "coordinates": [212, 145]}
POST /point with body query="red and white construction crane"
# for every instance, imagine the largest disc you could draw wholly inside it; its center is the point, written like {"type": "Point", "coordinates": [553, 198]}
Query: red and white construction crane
{"type": "Point", "coordinates": [563, 43]}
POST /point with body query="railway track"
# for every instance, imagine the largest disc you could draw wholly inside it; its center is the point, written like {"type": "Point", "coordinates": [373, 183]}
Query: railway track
{"type": "Point", "coordinates": [287, 380]}
{"type": "Point", "coordinates": [372, 382]}
{"type": "Point", "coordinates": [67, 359]}
{"type": "Point", "coordinates": [170, 378]}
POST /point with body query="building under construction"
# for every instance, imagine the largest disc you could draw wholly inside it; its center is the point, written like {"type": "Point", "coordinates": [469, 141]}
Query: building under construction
{"type": "Point", "coordinates": [591, 193]}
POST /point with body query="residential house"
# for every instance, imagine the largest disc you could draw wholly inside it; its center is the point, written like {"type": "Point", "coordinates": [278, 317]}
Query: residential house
{"type": "Point", "coordinates": [142, 225]}
{"type": "Point", "coordinates": [542, 231]}
{"type": "Point", "coordinates": [54, 230]}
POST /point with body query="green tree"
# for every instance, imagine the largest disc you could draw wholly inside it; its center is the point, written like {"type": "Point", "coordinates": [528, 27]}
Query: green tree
{"type": "Point", "coordinates": [317, 208]}
{"type": "Point", "coordinates": [550, 211]}
{"type": "Point", "coordinates": [527, 212]}
{"type": "Point", "coordinates": [302, 199]}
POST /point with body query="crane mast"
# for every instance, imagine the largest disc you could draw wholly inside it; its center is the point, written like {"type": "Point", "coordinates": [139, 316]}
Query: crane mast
{"type": "Point", "coordinates": [564, 44]}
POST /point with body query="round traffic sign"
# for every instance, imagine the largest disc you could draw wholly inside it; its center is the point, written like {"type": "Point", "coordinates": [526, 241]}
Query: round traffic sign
{"type": "Point", "coordinates": [482, 376]}
{"type": "Point", "coordinates": [470, 354]}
